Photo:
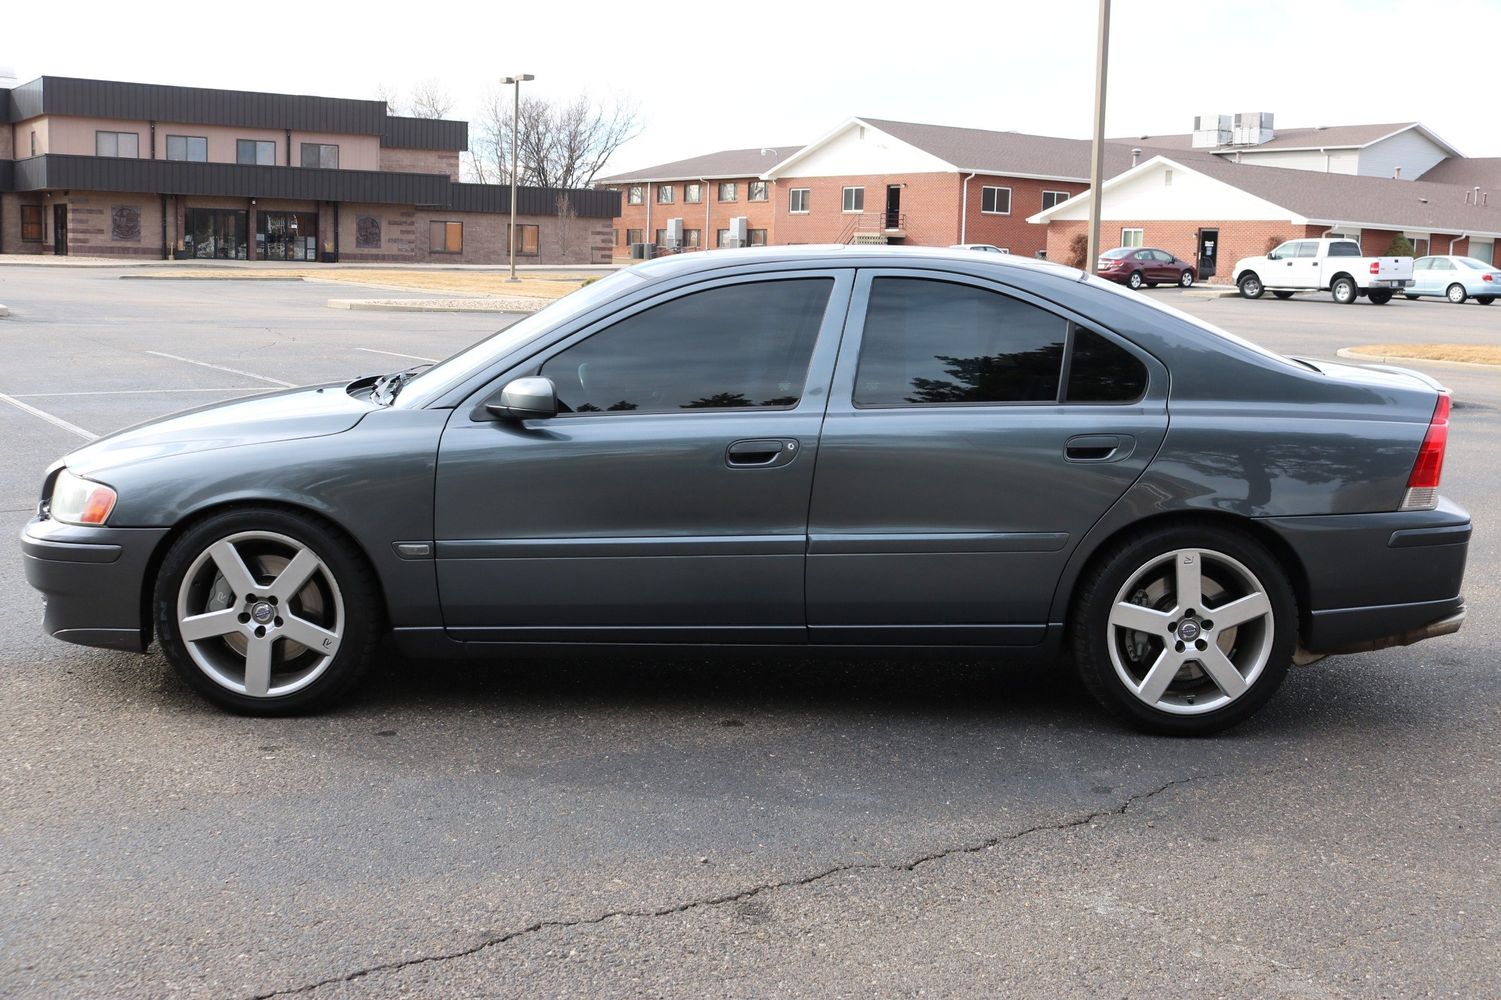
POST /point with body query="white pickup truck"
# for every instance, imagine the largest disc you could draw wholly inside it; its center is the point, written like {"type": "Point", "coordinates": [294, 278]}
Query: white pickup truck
{"type": "Point", "coordinates": [1335, 266]}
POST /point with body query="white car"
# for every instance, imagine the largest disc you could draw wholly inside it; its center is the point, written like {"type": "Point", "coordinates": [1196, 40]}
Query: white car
{"type": "Point", "coordinates": [1455, 278]}
{"type": "Point", "coordinates": [1332, 265]}
{"type": "Point", "coordinates": [983, 247]}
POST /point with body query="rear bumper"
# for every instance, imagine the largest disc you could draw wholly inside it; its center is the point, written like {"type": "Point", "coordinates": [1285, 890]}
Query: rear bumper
{"type": "Point", "coordinates": [1376, 580]}
{"type": "Point", "coordinates": [91, 581]}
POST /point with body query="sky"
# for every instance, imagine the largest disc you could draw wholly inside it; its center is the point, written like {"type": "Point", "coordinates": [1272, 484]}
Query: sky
{"type": "Point", "coordinates": [715, 76]}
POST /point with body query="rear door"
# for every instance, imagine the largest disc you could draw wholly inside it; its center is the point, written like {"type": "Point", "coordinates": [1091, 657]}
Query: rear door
{"type": "Point", "coordinates": [670, 501]}
{"type": "Point", "coordinates": [974, 434]}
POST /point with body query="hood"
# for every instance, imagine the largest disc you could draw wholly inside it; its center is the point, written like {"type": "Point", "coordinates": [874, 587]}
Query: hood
{"type": "Point", "coordinates": [278, 416]}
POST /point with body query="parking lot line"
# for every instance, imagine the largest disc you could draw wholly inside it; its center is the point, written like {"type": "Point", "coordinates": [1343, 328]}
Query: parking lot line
{"type": "Point", "coordinates": [397, 354]}
{"type": "Point", "coordinates": [44, 415]}
{"type": "Point", "coordinates": [129, 392]}
{"type": "Point", "coordinates": [224, 368]}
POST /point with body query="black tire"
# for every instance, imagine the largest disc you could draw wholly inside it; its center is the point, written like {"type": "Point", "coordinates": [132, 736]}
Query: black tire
{"type": "Point", "coordinates": [1151, 284]}
{"type": "Point", "coordinates": [1409, 298]}
{"type": "Point", "coordinates": [1379, 298]}
{"type": "Point", "coordinates": [1091, 633]}
{"type": "Point", "coordinates": [1456, 294]}
{"type": "Point", "coordinates": [1135, 280]}
{"type": "Point", "coordinates": [362, 619]}
{"type": "Point", "coordinates": [1485, 300]}
{"type": "Point", "coordinates": [1250, 286]}
{"type": "Point", "coordinates": [1343, 290]}
{"type": "Point", "coordinates": [1186, 279]}
{"type": "Point", "coordinates": [1283, 295]}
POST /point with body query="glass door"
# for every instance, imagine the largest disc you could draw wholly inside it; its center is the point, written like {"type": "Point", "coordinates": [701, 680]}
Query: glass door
{"type": "Point", "coordinates": [214, 233]}
{"type": "Point", "coordinates": [286, 235]}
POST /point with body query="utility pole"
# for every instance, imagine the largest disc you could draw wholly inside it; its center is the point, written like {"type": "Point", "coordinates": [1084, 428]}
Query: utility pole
{"type": "Point", "coordinates": [1097, 161]}
{"type": "Point", "coordinates": [516, 82]}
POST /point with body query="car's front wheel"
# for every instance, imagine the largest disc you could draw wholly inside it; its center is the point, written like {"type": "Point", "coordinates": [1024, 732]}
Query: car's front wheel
{"type": "Point", "coordinates": [1186, 279]}
{"type": "Point", "coordinates": [266, 611]}
{"type": "Point", "coordinates": [1250, 286]}
{"type": "Point", "coordinates": [1185, 630]}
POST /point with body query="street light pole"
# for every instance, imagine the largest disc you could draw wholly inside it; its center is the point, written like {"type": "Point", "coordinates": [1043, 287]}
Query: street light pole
{"type": "Point", "coordinates": [1097, 160]}
{"type": "Point", "coordinates": [516, 82]}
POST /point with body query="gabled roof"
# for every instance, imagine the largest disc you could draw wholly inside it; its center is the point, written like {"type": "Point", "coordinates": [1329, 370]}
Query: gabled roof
{"type": "Point", "coordinates": [1330, 199]}
{"type": "Point", "coordinates": [725, 163]}
{"type": "Point", "coordinates": [1322, 137]}
{"type": "Point", "coordinates": [1016, 154]}
{"type": "Point", "coordinates": [1468, 171]}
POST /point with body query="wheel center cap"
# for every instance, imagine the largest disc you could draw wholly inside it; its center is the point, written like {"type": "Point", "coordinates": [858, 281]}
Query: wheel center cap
{"type": "Point", "coordinates": [262, 613]}
{"type": "Point", "coordinates": [1188, 631]}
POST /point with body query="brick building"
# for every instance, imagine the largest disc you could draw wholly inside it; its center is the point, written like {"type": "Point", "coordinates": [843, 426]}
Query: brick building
{"type": "Point", "coordinates": [98, 168]}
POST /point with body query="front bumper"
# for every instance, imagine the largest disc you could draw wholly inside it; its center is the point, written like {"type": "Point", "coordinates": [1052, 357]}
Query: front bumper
{"type": "Point", "coordinates": [92, 580]}
{"type": "Point", "coordinates": [1376, 580]}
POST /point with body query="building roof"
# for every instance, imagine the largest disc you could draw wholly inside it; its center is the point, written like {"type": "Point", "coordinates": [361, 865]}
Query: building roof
{"type": "Point", "coordinates": [726, 163]}
{"type": "Point", "coordinates": [1321, 137]}
{"type": "Point", "coordinates": [1467, 171]}
{"type": "Point", "coordinates": [1013, 153]}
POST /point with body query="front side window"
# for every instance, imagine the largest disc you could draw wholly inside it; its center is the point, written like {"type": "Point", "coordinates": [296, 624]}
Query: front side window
{"type": "Point", "coordinates": [743, 346]}
{"type": "Point", "coordinates": [528, 240]}
{"type": "Point", "coordinates": [854, 199]}
{"type": "Point", "coordinates": [31, 223]}
{"type": "Point", "coordinates": [1051, 198]}
{"type": "Point", "coordinates": [445, 237]}
{"type": "Point", "coordinates": [635, 195]}
{"type": "Point", "coordinates": [727, 191]}
{"type": "Point", "coordinates": [126, 144]}
{"type": "Point", "coordinates": [1132, 237]}
{"type": "Point", "coordinates": [995, 200]}
{"type": "Point", "coordinates": [664, 194]}
{"type": "Point", "coordinates": [693, 194]}
{"type": "Point", "coordinates": [798, 199]}
{"type": "Point", "coordinates": [756, 191]}
{"type": "Point", "coordinates": [260, 152]}
{"type": "Point", "coordinates": [320, 156]}
{"type": "Point", "coordinates": [193, 148]}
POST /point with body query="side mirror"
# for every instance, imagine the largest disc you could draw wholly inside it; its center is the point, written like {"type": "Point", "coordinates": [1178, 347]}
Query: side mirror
{"type": "Point", "coordinates": [530, 398]}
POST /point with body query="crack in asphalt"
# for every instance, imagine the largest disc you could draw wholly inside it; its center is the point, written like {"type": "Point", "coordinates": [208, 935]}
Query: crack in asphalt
{"type": "Point", "coordinates": [739, 896]}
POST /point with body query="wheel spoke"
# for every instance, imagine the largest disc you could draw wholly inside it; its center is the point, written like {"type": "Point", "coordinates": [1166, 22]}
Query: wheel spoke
{"type": "Point", "coordinates": [1224, 674]}
{"type": "Point", "coordinates": [258, 667]}
{"type": "Point", "coordinates": [314, 637]}
{"type": "Point", "coordinates": [303, 565]}
{"type": "Point", "coordinates": [1188, 584]}
{"type": "Point", "coordinates": [1139, 619]}
{"type": "Point", "coordinates": [206, 626]}
{"type": "Point", "coordinates": [1159, 676]}
{"type": "Point", "coordinates": [233, 568]}
{"type": "Point", "coordinates": [1240, 611]}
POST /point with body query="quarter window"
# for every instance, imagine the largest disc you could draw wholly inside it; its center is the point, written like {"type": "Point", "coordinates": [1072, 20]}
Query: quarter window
{"type": "Point", "coordinates": [854, 199]}
{"type": "Point", "coordinates": [320, 155]}
{"type": "Point", "coordinates": [260, 152]}
{"type": "Point", "coordinates": [126, 144]}
{"type": "Point", "coordinates": [995, 200]}
{"type": "Point", "coordinates": [445, 237]}
{"type": "Point", "coordinates": [1101, 372]}
{"type": "Point", "coordinates": [744, 346]}
{"type": "Point", "coordinates": [798, 199]}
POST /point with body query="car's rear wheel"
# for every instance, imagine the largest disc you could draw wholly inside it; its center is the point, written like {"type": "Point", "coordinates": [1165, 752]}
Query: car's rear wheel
{"type": "Point", "coordinates": [1186, 279]}
{"type": "Point", "coordinates": [266, 611]}
{"type": "Point", "coordinates": [1409, 298]}
{"type": "Point", "coordinates": [1185, 630]}
{"type": "Point", "coordinates": [1283, 295]}
{"type": "Point", "coordinates": [1379, 298]}
{"type": "Point", "coordinates": [1135, 280]}
{"type": "Point", "coordinates": [1250, 286]}
{"type": "Point", "coordinates": [1344, 291]}
{"type": "Point", "coordinates": [1456, 293]}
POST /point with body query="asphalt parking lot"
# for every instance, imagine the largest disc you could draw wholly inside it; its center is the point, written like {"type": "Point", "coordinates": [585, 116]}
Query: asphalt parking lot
{"type": "Point", "coordinates": [622, 827]}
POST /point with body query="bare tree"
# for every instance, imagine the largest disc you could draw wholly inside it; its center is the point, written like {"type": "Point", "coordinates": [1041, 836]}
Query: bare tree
{"type": "Point", "coordinates": [430, 100]}
{"type": "Point", "coordinates": [559, 144]}
{"type": "Point", "coordinates": [392, 96]}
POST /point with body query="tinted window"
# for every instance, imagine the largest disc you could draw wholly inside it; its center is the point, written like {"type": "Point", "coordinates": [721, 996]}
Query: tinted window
{"type": "Point", "coordinates": [731, 347]}
{"type": "Point", "coordinates": [936, 342]}
{"type": "Point", "coordinates": [1101, 372]}
{"type": "Point", "coordinates": [1344, 248]}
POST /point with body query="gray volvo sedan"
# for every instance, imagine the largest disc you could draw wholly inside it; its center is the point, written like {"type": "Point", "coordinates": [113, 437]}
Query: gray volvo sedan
{"type": "Point", "coordinates": [846, 447]}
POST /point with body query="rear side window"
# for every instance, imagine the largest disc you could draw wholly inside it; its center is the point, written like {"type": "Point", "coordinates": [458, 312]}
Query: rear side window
{"type": "Point", "coordinates": [1101, 372]}
{"type": "Point", "coordinates": [1344, 248]}
{"type": "Point", "coordinates": [733, 347]}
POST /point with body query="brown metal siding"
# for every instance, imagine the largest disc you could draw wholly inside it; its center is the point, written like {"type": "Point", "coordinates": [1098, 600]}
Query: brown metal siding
{"type": "Point", "coordinates": [586, 203]}
{"type": "Point", "coordinates": [424, 133]}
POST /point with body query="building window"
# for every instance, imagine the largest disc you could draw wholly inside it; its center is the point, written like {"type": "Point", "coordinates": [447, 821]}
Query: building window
{"type": "Point", "coordinates": [193, 148]}
{"type": "Point", "coordinates": [995, 200]}
{"type": "Point", "coordinates": [727, 191]}
{"type": "Point", "coordinates": [528, 240]}
{"type": "Point", "coordinates": [126, 144]}
{"type": "Point", "coordinates": [721, 237]}
{"type": "Point", "coordinates": [798, 200]}
{"type": "Point", "coordinates": [691, 239]}
{"type": "Point", "coordinates": [366, 231]}
{"type": "Point", "coordinates": [1132, 237]}
{"type": "Point", "coordinates": [323, 156]}
{"type": "Point", "coordinates": [854, 199]}
{"type": "Point", "coordinates": [635, 195]}
{"type": "Point", "coordinates": [442, 237]}
{"type": "Point", "coordinates": [755, 238]}
{"type": "Point", "coordinates": [259, 152]}
{"type": "Point", "coordinates": [693, 194]}
{"type": "Point", "coordinates": [756, 191]}
{"type": "Point", "coordinates": [125, 224]}
{"type": "Point", "coordinates": [633, 236]}
{"type": "Point", "coordinates": [664, 194]}
{"type": "Point", "coordinates": [1051, 198]}
{"type": "Point", "coordinates": [661, 237]}
{"type": "Point", "coordinates": [33, 142]}
{"type": "Point", "coordinates": [31, 223]}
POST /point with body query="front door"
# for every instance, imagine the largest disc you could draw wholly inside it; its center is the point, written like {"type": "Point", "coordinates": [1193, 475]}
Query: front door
{"type": "Point", "coordinates": [1300, 265]}
{"type": "Point", "coordinates": [60, 229]}
{"type": "Point", "coordinates": [1209, 249]}
{"type": "Point", "coordinates": [957, 470]}
{"type": "Point", "coordinates": [669, 501]}
{"type": "Point", "coordinates": [893, 206]}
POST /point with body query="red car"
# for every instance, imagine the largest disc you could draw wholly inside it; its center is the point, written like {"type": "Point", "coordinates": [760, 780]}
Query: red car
{"type": "Point", "coordinates": [1137, 266]}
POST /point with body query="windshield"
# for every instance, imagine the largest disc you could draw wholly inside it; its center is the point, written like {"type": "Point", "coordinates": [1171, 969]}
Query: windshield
{"type": "Point", "coordinates": [429, 385]}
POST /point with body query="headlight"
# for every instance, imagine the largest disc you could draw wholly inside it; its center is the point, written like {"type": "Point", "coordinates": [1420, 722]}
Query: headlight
{"type": "Point", "coordinates": [79, 501]}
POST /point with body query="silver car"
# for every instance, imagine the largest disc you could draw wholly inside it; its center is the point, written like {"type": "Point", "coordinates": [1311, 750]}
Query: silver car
{"type": "Point", "coordinates": [1455, 278]}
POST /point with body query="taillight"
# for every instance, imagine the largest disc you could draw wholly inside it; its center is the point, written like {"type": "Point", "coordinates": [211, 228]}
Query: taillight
{"type": "Point", "coordinates": [1422, 484]}
{"type": "Point", "coordinates": [1486, 277]}
{"type": "Point", "coordinates": [1375, 267]}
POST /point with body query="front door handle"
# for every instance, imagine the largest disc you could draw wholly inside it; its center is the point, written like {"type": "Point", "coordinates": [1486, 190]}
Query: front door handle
{"type": "Point", "coordinates": [761, 453]}
{"type": "Point", "coordinates": [1098, 447]}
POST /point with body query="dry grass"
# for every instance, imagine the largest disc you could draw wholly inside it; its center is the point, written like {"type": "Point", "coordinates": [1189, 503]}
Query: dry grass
{"type": "Point", "coordinates": [534, 284]}
{"type": "Point", "coordinates": [1480, 354]}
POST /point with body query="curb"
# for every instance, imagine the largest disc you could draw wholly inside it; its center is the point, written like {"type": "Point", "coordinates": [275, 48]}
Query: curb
{"type": "Point", "coordinates": [1402, 359]}
{"type": "Point", "coordinates": [209, 276]}
{"type": "Point", "coordinates": [437, 305]}
{"type": "Point", "coordinates": [1211, 293]}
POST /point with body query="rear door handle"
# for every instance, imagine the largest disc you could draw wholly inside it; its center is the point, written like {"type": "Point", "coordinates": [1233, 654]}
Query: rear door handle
{"type": "Point", "coordinates": [1098, 447]}
{"type": "Point", "coordinates": [761, 453]}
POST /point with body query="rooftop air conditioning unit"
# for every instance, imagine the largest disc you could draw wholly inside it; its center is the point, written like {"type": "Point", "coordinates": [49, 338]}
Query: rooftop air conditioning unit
{"type": "Point", "coordinates": [1252, 128]}
{"type": "Point", "coordinates": [1211, 131]}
